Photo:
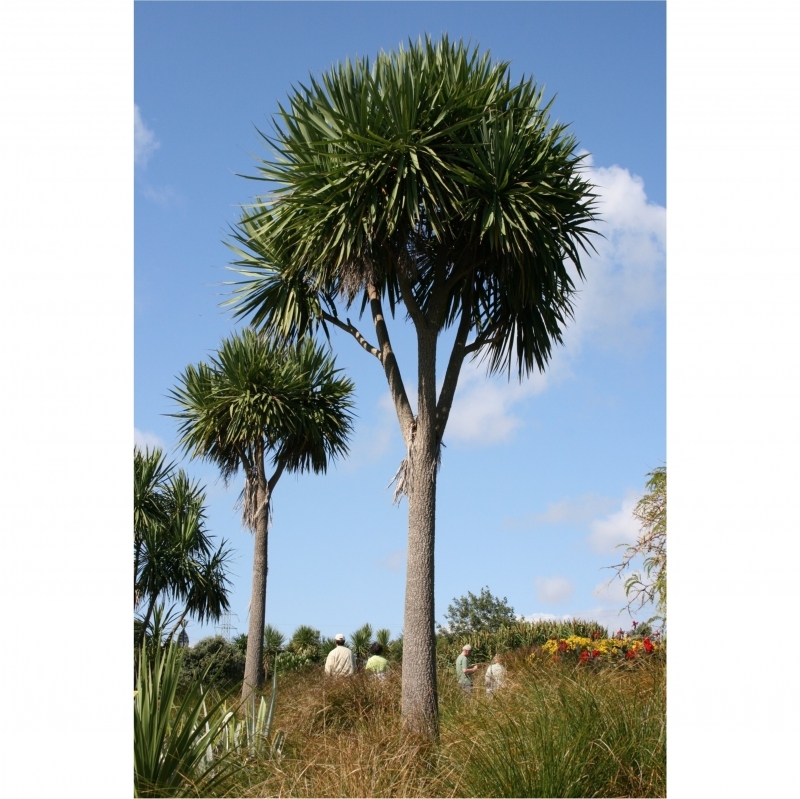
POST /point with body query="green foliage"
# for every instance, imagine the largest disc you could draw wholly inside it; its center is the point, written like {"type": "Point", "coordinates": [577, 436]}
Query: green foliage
{"type": "Point", "coordinates": [650, 585]}
{"type": "Point", "coordinates": [173, 555]}
{"type": "Point", "coordinates": [257, 397]}
{"type": "Point", "coordinates": [240, 642]}
{"type": "Point", "coordinates": [469, 614]}
{"type": "Point", "coordinates": [325, 647]}
{"type": "Point", "coordinates": [286, 662]}
{"type": "Point", "coordinates": [432, 177]}
{"type": "Point", "coordinates": [274, 639]}
{"type": "Point", "coordinates": [306, 641]}
{"type": "Point", "coordinates": [383, 637]}
{"type": "Point", "coordinates": [172, 738]}
{"type": "Point", "coordinates": [582, 734]}
{"type": "Point", "coordinates": [219, 662]}
{"type": "Point", "coordinates": [360, 641]}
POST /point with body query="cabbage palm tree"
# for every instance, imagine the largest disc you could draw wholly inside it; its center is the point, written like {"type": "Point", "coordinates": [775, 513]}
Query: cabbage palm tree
{"type": "Point", "coordinates": [258, 404]}
{"type": "Point", "coordinates": [173, 553]}
{"type": "Point", "coordinates": [424, 179]}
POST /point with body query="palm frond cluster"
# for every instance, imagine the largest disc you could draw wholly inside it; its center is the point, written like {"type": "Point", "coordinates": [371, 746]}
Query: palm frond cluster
{"type": "Point", "coordinates": [174, 558]}
{"type": "Point", "coordinates": [431, 179]}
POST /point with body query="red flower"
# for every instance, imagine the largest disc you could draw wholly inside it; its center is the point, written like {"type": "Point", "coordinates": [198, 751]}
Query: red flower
{"type": "Point", "coordinates": [562, 646]}
{"type": "Point", "coordinates": [596, 653]}
{"type": "Point", "coordinates": [595, 635]}
{"type": "Point", "coordinates": [583, 657]}
{"type": "Point", "coordinates": [634, 624]}
{"type": "Point", "coordinates": [648, 646]}
{"type": "Point", "coordinates": [630, 655]}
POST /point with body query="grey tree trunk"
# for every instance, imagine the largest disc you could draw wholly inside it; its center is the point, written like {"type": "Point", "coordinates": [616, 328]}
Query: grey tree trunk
{"type": "Point", "coordinates": [254, 659]}
{"type": "Point", "coordinates": [420, 702]}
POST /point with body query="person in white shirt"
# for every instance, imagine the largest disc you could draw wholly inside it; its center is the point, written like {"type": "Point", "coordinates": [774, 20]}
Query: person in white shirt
{"type": "Point", "coordinates": [341, 661]}
{"type": "Point", "coordinates": [495, 674]}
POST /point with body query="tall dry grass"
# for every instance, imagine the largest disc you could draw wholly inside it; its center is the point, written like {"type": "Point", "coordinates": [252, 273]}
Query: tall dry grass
{"type": "Point", "coordinates": [554, 730]}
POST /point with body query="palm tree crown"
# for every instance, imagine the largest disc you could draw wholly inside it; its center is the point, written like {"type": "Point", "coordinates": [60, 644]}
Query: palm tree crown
{"type": "Point", "coordinates": [432, 177]}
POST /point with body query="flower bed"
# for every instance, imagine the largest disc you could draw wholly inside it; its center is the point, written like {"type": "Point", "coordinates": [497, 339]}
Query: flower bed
{"type": "Point", "coordinates": [585, 650]}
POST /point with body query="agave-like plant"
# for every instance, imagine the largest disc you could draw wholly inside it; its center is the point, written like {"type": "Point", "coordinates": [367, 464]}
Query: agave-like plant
{"type": "Point", "coordinates": [360, 641]}
{"type": "Point", "coordinates": [172, 740]}
{"type": "Point", "coordinates": [305, 641]}
{"type": "Point", "coordinates": [383, 637]}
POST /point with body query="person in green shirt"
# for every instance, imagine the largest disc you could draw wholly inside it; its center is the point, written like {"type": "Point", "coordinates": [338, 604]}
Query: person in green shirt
{"type": "Point", "coordinates": [463, 670]}
{"type": "Point", "coordinates": [377, 665]}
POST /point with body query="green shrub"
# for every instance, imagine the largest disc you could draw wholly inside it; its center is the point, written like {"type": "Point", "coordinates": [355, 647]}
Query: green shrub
{"type": "Point", "coordinates": [221, 661]}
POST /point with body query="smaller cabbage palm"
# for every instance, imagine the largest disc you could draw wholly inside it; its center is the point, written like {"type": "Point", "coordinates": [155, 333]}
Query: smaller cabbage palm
{"type": "Point", "coordinates": [305, 641]}
{"type": "Point", "coordinates": [360, 641]}
{"type": "Point", "coordinates": [256, 402]}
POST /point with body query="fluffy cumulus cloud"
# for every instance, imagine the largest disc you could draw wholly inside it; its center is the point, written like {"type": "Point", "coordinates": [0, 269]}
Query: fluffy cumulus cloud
{"type": "Point", "coordinates": [553, 590]}
{"type": "Point", "coordinates": [625, 288]}
{"type": "Point", "coordinates": [577, 511]}
{"type": "Point", "coordinates": [144, 140]}
{"type": "Point", "coordinates": [144, 440]}
{"type": "Point", "coordinates": [484, 408]}
{"type": "Point", "coordinates": [617, 528]}
{"type": "Point", "coordinates": [618, 305]}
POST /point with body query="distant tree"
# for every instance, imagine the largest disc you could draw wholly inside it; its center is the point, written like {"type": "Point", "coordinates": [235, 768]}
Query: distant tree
{"type": "Point", "coordinates": [173, 556]}
{"type": "Point", "coordinates": [471, 613]}
{"type": "Point", "coordinates": [254, 403]}
{"type": "Point", "coordinates": [223, 659]}
{"type": "Point", "coordinates": [649, 585]}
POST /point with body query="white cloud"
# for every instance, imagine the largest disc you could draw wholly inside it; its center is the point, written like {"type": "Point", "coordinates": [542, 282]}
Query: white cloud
{"type": "Point", "coordinates": [144, 140]}
{"type": "Point", "coordinates": [626, 279]}
{"type": "Point", "coordinates": [482, 410]}
{"type": "Point", "coordinates": [567, 511]}
{"type": "Point", "coordinates": [394, 561]}
{"type": "Point", "coordinates": [143, 439]}
{"type": "Point", "coordinates": [618, 528]}
{"type": "Point", "coordinates": [553, 589]}
{"type": "Point", "coordinates": [617, 306]}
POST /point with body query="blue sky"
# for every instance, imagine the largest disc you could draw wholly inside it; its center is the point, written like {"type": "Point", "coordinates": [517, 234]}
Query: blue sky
{"type": "Point", "coordinates": [539, 478]}
{"type": "Point", "coordinates": [69, 184]}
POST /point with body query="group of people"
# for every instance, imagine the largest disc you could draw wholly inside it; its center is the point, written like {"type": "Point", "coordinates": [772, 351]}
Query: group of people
{"type": "Point", "coordinates": [494, 677]}
{"type": "Point", "coordinates": [341, 662]}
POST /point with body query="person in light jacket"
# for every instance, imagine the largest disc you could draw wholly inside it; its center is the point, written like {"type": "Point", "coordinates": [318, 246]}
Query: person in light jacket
{"type": "Point", "coordinates": [495, 675]}
{"type": "Point", "coordinates": [341, 662]}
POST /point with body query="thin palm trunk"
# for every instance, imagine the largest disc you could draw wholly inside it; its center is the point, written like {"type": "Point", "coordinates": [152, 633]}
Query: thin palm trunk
{"type": "Point", "coordinates": [419, 692]}
{"type": "Point", "coordinates": [254, 659]}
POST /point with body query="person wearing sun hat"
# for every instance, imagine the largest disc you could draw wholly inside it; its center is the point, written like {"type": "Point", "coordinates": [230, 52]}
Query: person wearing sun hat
{"type": "Point", "coordinates": [341, 662]}
{"type": "Point", "coordinates": [463, 670]}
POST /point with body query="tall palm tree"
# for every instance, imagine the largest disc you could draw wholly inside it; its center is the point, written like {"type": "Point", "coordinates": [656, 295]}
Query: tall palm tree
{"type": "Point", "coordinates": [173, 553]}
{"type": "Point", "coordinates": [424, 179]}
{"type": "Point", "coordinates": [257, 403]}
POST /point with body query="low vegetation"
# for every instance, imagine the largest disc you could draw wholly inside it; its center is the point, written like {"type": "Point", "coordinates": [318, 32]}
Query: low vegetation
{"type": "Point", "coordinates": [563, 724]}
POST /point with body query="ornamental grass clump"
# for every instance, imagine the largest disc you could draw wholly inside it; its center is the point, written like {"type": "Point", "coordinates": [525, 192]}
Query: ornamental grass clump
{"type": "Point", "coordinates": [564, 733]}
